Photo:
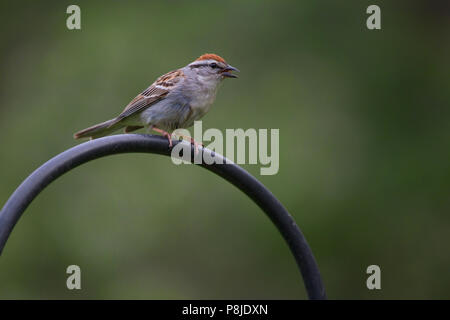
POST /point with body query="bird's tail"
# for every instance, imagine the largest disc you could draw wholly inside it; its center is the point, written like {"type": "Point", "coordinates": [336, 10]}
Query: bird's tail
{"type": "Point", "coordinates": [99, 130]}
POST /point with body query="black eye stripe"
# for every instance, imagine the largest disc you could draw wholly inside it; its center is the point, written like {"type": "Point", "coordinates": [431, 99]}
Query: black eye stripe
{"type": "Point", "coordinates": [205, 65]}
{"type": "Point", "coordinates": [199, 65]}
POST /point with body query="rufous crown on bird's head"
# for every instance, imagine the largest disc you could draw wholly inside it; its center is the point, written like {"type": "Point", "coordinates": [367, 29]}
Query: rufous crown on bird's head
{"type": "Point", "coordinates": [212, 65]}
{"type": "Point", "coordinates": [211, 56]}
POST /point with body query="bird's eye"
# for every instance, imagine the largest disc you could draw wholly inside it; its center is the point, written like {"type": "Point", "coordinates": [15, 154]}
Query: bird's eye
{"type": "Point", "coordinates": [213, 65]}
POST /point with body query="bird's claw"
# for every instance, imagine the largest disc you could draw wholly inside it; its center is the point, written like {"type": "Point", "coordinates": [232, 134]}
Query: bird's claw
{"type": "Point", "coordinates": [164, 134]}
{"type": "Point", "coordinates": [195, 143]}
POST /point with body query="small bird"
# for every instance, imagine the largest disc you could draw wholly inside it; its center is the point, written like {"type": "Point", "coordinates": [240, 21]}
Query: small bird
{"type": "Point", "coordinates": [175, 100]}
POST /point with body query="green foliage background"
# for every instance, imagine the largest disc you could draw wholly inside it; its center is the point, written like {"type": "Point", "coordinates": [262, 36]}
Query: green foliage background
{"type": "Point", "coordinates": [364, 149]}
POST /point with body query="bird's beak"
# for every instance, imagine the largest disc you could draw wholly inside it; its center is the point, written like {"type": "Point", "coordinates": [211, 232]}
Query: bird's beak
{"type": "Point", "coordinates": [226, 72]}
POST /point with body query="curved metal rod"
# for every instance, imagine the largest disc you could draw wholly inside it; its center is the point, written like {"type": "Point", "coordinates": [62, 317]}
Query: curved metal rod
{"type": "Point", "coordinates": [125, 143]}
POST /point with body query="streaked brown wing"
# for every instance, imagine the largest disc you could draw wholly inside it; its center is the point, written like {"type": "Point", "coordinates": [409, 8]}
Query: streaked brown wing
{"type": "Point", "coordinates": [157, 91]}
{"type": "Point", "coordinates": [140, 103]}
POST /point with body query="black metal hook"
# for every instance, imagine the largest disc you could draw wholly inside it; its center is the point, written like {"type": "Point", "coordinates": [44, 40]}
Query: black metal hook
{"type": "Point", "coordinates": [127, 143]}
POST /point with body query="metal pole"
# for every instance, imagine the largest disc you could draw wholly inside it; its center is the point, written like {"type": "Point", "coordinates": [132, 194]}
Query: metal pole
{"type": "Point", "coordinates": [132, 143]}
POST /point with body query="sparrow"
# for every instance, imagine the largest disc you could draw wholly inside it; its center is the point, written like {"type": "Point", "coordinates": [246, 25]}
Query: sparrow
{"type": "Point", "coordinates": [175, 100]}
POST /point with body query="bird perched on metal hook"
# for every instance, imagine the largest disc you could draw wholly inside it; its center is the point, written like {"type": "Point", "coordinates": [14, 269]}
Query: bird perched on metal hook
{"type": "Point", "coordinates": [175, 100]}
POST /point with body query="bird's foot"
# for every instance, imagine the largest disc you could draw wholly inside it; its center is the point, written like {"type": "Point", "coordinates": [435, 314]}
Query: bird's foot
{"type": "Point", "coordinates": [195, 143]}
{"type": "Point", "coordinates": [164, 134]}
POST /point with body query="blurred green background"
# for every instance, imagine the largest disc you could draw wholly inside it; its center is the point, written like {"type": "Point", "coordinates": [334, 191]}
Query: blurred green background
{"type": "Point", "coordinates": [364, 149]}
